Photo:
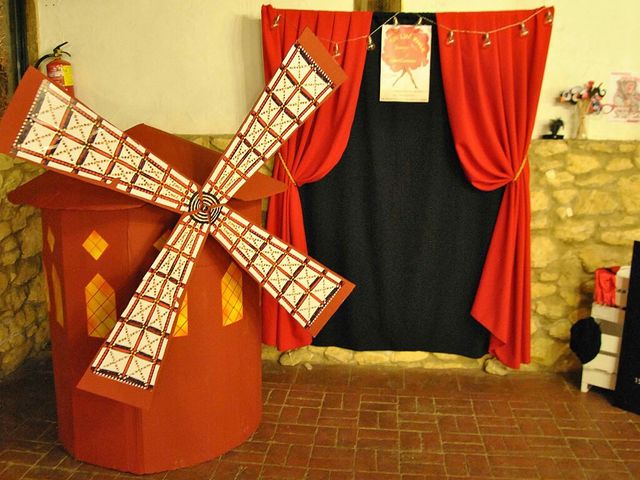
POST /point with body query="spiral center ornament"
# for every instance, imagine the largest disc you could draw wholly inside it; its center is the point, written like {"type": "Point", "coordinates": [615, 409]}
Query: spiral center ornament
{"type": "Point", "coordinates": [205, 207]}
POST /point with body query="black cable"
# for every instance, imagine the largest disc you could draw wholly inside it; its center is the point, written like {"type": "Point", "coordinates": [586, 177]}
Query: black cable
{"type": "Point", "coordinates": [18, 25]}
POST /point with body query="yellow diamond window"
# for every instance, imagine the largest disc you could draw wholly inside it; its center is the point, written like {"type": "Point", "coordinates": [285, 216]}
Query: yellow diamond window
{"type": "Point", "coordinates": [57, 296]}
{"type": "Point", "coordinates": [47, 295]}
{"type": "Point", "coordinates": [231, 286]}
{"type": "Point", "coordinates": [95, 245]}
{"type": "Point", "coordinates": [160, 242]}
{"type": "Point", "coordinates": [101, 307]}
{"type": "Point", "coordinates": [181, 329]}
{"type": "Point", "coordinates": [51, 240]}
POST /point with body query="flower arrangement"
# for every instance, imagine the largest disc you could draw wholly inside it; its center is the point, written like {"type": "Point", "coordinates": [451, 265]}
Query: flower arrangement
{"type": "Point", "coordinates": [588, 99]}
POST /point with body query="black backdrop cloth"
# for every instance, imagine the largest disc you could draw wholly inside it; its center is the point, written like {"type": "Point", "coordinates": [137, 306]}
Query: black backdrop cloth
{"type": "Point", "coordinates": [398, 218]}
{"type": "Point", "coordinates": [627, 393]}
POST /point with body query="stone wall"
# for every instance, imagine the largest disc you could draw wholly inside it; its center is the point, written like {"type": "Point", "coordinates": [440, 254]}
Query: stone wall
{"type": "Point", "coordinates": [24, 329]}
{"type": "Point", "coordinates": [585, 214]}
{"type": "Point", "coordinates": [585, 201]}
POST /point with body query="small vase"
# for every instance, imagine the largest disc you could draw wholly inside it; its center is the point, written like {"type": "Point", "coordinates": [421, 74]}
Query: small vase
{"type": "Point", "coordinates": [582, 107]}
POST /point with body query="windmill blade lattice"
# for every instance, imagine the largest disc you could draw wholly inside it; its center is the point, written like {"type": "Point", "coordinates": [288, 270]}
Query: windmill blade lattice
{"type": "Point", "coordinates": [301, 285]}
{"type": "Point", "coordinates": [65, 136]}
{"type": "Point", "coordinates": [296, 90]}
{"type": "Point", "coordinates": [47, 127]}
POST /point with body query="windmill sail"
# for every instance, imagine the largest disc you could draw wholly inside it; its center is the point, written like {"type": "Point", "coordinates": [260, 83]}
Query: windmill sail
{"type": "Point", "coordinates": [306, 77]}
{"type": "Point", "coordinates": [134, 349]}
{"type": "Point", "coordinates": [61, 134]}
{"type": "Point", "coordinates": [306, 289]}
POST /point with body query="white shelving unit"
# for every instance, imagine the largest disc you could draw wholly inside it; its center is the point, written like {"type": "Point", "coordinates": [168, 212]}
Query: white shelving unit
{"type": "Point", "coordinates": [602, 371]}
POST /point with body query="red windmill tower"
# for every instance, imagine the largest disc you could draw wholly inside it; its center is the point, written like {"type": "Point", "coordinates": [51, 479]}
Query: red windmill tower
{"type": "Point", "coordinates": [121, 412]}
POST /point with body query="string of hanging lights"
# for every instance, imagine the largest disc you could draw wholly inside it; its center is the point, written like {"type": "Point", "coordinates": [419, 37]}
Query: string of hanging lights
{"type": "Point", "coordinates": [485, 36]}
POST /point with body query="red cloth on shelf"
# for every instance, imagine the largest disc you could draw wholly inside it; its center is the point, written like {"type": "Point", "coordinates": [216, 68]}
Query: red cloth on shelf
{"type": "Point", "coordinates": [492, 95]}
{"type": "Point", "coordinates": [605, 288]}
{"type": "Point", "coordinates": [312, 151]}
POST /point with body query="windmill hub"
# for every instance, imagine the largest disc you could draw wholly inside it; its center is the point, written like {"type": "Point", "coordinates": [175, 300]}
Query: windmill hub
{"type": "Point", "coordinates": [205, 207]}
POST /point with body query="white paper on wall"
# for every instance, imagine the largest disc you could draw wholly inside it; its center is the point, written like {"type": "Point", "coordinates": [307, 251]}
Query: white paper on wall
{"type": "Point", "coordinates": [405, 64]}
{"type": "Point", "coordinates": [624, 100]}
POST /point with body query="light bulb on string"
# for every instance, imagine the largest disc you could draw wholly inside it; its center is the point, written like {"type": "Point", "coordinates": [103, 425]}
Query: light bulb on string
{"type": "Point", "coordinates": [486, 39]}
{"type": "Point", "coordinates": [548, 18]}
{"type": "Point", "coordinates": [370, 44]}
{"type": "Point", "coordinates": [450, 38]}
{"type": "Point", "coordinates": [523, 30]}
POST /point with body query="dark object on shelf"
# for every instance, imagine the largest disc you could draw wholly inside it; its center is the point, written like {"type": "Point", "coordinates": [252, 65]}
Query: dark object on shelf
{"type": "Point", "coordinates": [627, 395]}
{"type": "Point", "coordinates": [586, 339]}
{"type": "Point", "coordinates": [555, 125]}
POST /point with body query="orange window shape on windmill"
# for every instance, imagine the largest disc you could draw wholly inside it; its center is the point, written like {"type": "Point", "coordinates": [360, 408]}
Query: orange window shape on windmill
{"type": "Point", "coordinates": [100, 297]}
{"type": "Point", "coordinates": [95, 245]}
{"type": "Point", "coordinates": [181, 328]}
{"type": "Point", "coordinates": [101, 307]}
{"type": "Point", "coordinates": [55, 304]}
{"type": "Point", "coordinates": [231, 287]}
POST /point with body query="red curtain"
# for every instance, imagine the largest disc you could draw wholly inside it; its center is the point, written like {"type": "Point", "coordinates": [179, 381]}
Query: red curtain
{"type": "Point", "coordinates": [317, 146]}
{"type": "Point", "coordinates": [492, 95]}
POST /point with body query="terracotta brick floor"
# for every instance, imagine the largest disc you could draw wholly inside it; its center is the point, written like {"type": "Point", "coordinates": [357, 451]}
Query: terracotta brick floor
{"type": "Point", "coordinates": [336, 422]}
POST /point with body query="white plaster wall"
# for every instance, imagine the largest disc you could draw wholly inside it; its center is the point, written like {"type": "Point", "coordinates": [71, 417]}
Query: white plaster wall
{"type": "Point", "coordinates": [590, 39]}
{"type": "Point", "coordinates": [195, 66]}
{"type": "Point", "coordinates": [186, 66]}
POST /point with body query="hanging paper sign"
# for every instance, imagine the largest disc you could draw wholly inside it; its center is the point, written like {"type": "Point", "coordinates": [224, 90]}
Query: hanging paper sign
{"type": "Point", "coordinates": [625, 102]}
{"type": "Point", "coordinates": [405, 65]}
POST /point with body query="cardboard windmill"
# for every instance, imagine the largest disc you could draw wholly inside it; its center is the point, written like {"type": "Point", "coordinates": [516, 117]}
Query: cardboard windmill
{"type": "Point", "coordinates": [46, 126]}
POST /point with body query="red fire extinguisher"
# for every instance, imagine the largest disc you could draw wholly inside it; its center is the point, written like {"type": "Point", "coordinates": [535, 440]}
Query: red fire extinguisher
{"type": "Point", "coordinates": [59, 70]}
